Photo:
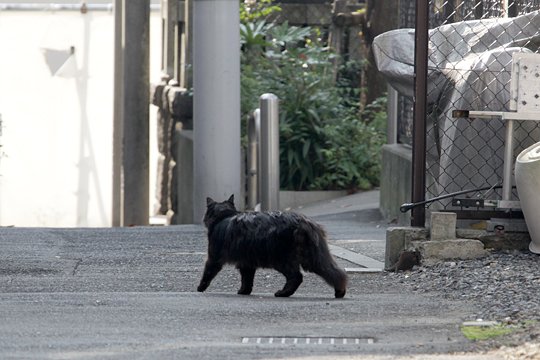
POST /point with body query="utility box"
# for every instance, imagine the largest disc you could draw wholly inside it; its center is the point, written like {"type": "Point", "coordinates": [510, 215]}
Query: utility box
{"type": "Point", "coordinates": [525, 83]}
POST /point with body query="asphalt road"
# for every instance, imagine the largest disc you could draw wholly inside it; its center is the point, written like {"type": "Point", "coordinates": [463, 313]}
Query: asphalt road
{"type": "Point", "coordinates": [129, 293]}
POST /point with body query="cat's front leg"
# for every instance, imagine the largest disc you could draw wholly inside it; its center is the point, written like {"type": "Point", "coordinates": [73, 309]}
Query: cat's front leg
{"type": "Point", "coordinates": [248, 274]}
{"type": "Point", "coordinates": [211, 269]}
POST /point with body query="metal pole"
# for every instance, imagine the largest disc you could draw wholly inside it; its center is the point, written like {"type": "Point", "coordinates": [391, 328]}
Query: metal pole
{"type": "Point", "coordinates": [253, 158]}
{"type": "Point", "coordinates": [216, 103]}
{"type": "Point", "coordinates": [392, 111]}
{"type": "Point", "coordinates": [118, 120]}
{"type": "Point", "coordinates": [136, 156]}
{"type": "Point", "coordinates": [508, 164]}
{"type": "Point", "coordinates": [269, 105]}
{"type": "Point", "coordinates": [418, 216]}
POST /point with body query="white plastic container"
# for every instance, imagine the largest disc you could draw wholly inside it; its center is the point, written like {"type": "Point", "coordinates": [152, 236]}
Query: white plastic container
{"type": "Point", "coordinates": [527, 173]}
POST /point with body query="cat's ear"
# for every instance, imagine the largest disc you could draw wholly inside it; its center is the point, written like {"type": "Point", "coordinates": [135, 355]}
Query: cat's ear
{"type": "Point", "coordinates": [231, 199]}
{"type": "Point", "coordinates": [209, 201]}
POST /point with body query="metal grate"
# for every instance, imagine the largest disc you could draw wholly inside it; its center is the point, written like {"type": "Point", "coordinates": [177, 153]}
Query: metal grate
{"type": "Point", "coordinates": [286, 340]}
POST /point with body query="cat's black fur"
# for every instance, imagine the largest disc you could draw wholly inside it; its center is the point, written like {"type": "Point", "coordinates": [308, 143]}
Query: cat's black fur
{"type": "Point", "coordinates": [284, 241]}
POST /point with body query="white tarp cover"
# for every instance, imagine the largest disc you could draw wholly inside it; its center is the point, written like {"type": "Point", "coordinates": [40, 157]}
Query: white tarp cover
{"type": "Point", "coordinates": [469, 68]}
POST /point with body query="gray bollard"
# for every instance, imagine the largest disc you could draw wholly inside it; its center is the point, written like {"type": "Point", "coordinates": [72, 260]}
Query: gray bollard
{"type": "Point", "coordinates": [269, 174]}
{"type": "Point", "coordinates": [253, 159]}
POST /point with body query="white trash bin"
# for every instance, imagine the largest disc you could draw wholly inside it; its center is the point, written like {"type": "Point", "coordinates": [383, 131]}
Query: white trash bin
{"type": "Point", "coordinates": [527, 173]}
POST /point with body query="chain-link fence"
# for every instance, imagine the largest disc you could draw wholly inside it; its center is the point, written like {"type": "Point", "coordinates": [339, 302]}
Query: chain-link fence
{"type": "Point", "coordinates": [471, 43]}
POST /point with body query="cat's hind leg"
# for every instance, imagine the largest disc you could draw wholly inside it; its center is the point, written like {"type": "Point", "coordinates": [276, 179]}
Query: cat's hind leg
{"type": "Point", "coordinates": [334, 276]}
{"type": "Point", "coordinates": [211, 269]}
{"type": "Point", "coordinates": [248, 275]}
{"type": "Point", "coordinates": [294, 279]}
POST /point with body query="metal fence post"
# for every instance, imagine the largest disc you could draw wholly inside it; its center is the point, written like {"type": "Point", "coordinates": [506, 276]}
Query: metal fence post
{"type": "Point", "coordinates": [253, 159]}
{"type": "Point", "coordinates": [418, 216]}
{"type": "Point", "coordinates": [269, 105]}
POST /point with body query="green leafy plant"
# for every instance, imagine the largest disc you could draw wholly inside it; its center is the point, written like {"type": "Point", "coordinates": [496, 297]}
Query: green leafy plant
{"type": "Point", "coordinates": [351, 155]}
{"type": "Point", "coordinates": [325, 143]}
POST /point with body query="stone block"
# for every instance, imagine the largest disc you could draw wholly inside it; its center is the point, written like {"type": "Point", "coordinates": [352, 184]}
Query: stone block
{"type": "Point", "coordinates": [443, 226]}
{"type": "Point", "coordinates": [462, 233]}
{"type": "Point", "coordinates": [497, 241]}
{"type": "Point", "coordinates": [456, 249]}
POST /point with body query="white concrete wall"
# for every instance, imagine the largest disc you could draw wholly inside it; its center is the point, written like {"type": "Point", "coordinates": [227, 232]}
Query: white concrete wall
{"type": "Point", "coordinates": [57, 129]}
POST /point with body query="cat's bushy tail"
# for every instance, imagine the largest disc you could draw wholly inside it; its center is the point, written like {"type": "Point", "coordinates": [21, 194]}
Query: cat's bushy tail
{"type": "Point", "coordinates": [315, 255]}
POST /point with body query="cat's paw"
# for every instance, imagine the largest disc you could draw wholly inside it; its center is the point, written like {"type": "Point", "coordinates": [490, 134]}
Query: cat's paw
{"type": "Point", "coordinates": [282, 293]}
{"type": "Point", "coordinates": [243, 291]}
{"type": "Point", "coordinates": [340, 293]}
{"type": "Point", "coordinates": [202, 287]}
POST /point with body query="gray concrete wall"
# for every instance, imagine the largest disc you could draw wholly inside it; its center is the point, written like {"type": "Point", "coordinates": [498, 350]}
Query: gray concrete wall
{"type": "Point", "coordinates": [183, 211]}
{"type": "Point", "coordinates": [396, 182]}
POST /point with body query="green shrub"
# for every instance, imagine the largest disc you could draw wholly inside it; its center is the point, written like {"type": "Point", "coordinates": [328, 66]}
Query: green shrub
{"type": "Point", "coordinates": [351, 155]}
{"type": "Point", "coordinates": [325, 142]}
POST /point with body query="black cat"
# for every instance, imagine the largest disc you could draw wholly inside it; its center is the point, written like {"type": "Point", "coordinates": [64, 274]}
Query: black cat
{"type": "Point", "coordinates": [283, 241]}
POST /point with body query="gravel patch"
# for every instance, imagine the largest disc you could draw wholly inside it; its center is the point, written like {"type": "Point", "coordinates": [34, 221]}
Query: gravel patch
{"type": "Point", "coordinates": [505, 286]}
